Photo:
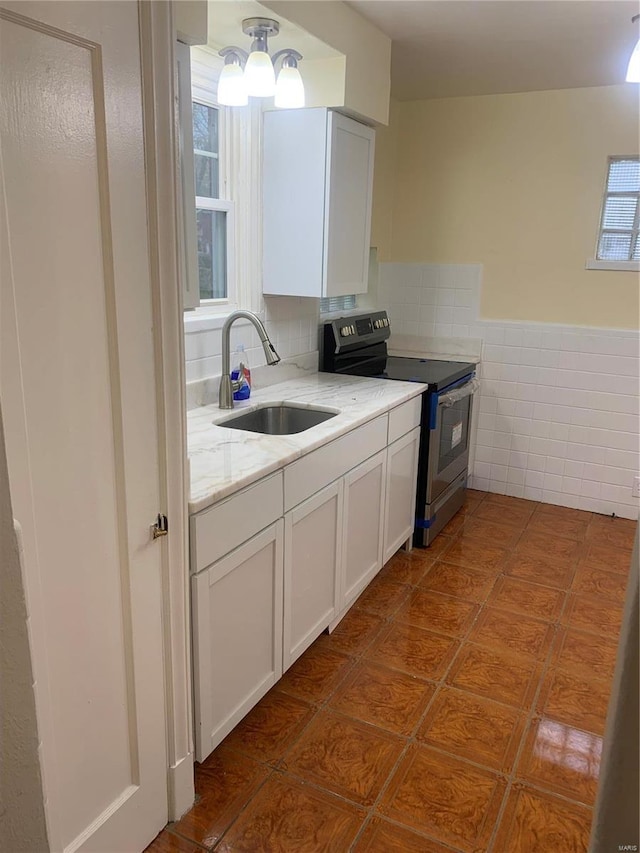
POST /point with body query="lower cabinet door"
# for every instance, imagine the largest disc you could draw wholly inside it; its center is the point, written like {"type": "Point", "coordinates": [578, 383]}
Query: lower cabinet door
{"type": "Point", "coordinates": [363, 526]}
{"type": "Point", "coordinates": [313, 551]}
{"type": "Point", "coordinates": [400, 498]}
{"type": "Point", "coordinates": [237, 631]}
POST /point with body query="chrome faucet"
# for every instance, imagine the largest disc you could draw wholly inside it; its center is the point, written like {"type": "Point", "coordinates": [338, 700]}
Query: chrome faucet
{"type": "Point", "coordinates": [227, 384]}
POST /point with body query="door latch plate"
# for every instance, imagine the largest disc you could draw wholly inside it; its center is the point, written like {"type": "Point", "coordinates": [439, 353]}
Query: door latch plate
{"type": "Point", "coordinates": [161, 527]}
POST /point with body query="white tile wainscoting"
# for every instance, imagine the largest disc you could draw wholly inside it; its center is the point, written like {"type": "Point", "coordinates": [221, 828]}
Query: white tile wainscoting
{"type": "Point", "coordinates": [558, 410]}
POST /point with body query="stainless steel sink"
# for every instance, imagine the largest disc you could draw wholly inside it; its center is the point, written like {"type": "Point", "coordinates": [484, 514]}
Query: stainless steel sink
{"type": "Point", "coordinates": [280, 419]}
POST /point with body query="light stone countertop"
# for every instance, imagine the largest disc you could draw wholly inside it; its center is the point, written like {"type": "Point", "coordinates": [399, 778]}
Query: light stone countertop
{"type": "Point", "coordinates": [222, 460]}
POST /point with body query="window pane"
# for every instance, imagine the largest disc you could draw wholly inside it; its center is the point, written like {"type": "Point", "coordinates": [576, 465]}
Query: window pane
{"type": "Point", "coordinates": [207, 180]}
{"type": "Point", "coordinates": [619, 213]}
{"type": "Point", "coordinates": [205, 128]}
{"type": "Point", "coordinates": [636, 250]}
{"type": "Point", "coordinates": [614, 247]}
{"type": "Point", "coordinates": [212, 253]}
{"type": "Point", "coordinates": [205, 138]}
{"type": "Point", "coordinates": [624, 176]}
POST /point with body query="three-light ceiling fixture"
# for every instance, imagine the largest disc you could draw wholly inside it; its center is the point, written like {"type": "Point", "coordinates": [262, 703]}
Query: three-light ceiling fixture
{"type": "Point", "coordinates": [254, 72]}
{"type": "Point", "coordinates": [633, 71]}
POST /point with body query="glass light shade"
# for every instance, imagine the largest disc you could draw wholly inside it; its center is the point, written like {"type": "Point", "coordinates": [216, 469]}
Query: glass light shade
{"type": "Point", "coordinates": [259, 76]}
{"type": "Point", "coordinates": [232, 89]}
{"type": "Point", "coordinates": [289, 89]}
{"type": "Point", "coordinates": [633, 71]}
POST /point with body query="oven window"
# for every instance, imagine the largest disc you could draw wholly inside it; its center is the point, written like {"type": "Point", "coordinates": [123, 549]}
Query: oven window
{"type": "Point", "coordinates": [454, 430]}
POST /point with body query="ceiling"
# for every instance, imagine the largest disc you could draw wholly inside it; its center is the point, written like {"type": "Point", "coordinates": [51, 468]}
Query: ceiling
{"type": "Point", "coordinates": [225, 28]}
{"type": "Point", "coordinates": [449, 48]}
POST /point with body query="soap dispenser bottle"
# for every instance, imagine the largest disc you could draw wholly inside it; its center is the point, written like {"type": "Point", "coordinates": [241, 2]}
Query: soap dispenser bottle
{"type": "Point", "coordinates": [240, 367]}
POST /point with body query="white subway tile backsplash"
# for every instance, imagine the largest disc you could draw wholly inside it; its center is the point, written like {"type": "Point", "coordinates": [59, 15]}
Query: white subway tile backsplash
{"type": "Point", "coordinates": [499, 473]}
{"type": "Point", "coordinates": [515, 476]}
{"type": "Point", "coordinates": [552, 482]}
{"type": "Point", "coordinates": [571, 485]}
{"type": "Point", "coordinates": [446, 297]}
{"type": "Point", "coordinates": [532, 494]}
{"type": "Point", "coordinates": [518, 459]}
{"type": "Point", "coordinates": [463, 298]}
{"type": "Point", "coordinates": [536, 462]}
{"type": "Point", "coordinates": [462, 316]}
{"type": "Point", "coordinates": [573, 469]}
{"type": "Point", "coordinates": [554, 465]}
{"type": "Point", "coordinates": [443, 330]}
{"type": "Point", "coordinates": [520, 443]}
{"type": "Point", "coordinates": [534, 478]}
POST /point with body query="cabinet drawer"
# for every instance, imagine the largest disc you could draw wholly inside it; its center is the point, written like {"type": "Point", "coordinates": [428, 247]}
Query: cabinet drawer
{"type": "Point", "coordinates": [404, 418]}
{"type": "Point", "coordinates": [217, 531]}
{"type": "Point", "coordinates": [321, 467]}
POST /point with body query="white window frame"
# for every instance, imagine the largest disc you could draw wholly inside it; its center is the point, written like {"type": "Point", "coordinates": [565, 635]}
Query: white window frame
{"type": "Point", "coordinates": [596, 263]}
{"type": "Point", "coordinates": [198, 82]}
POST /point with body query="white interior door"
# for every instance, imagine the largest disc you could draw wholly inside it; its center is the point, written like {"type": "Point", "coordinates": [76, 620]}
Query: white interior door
{"type": "Point", "coordinates": [77, 382]}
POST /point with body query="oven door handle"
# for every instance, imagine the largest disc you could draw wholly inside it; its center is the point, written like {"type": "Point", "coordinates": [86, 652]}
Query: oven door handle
{"type": "Point", "coordinates": [446, 399]}
{"type": "Point", "coordinates": [450, 397]}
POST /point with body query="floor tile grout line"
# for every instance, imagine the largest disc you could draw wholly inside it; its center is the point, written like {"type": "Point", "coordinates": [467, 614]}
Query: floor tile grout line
{"type": "Point", "coordinates": [389, 619]}
{"type": "Point", "coordinates": [243, 808]}
{"type": "Point", "coordinates": [170, 829]}
{"type": "Point", "coordinates": [412, 740]}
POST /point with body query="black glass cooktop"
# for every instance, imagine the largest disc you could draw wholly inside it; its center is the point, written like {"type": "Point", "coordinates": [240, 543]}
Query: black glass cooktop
{"type": "Point", "coordinates": [434, 373]}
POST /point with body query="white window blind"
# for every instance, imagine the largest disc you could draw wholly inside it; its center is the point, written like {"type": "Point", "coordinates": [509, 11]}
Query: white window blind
{"type": "Point", "coordinates": [330, 304]}
{"type": "Point", "coordinates": [620, 219]}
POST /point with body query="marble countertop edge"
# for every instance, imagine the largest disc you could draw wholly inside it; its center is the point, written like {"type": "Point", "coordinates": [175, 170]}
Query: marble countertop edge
{"type": "Point", "coordinates": [224, 461]}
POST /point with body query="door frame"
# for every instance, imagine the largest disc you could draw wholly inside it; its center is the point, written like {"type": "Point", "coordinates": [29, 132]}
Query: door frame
{"type": "Point", "coordinates": [157, 48]}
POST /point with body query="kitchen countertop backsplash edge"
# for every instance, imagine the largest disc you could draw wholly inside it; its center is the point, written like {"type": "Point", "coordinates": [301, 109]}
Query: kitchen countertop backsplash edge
{"type": "Point", "coordinates": [223, 461]}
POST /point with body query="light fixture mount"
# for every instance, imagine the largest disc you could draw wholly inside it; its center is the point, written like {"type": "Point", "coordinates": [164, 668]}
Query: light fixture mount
{"type": "Point", "coordinates": [260, 27]}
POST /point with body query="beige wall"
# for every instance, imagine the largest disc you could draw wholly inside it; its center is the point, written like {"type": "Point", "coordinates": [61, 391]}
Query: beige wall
{"type": "Point", "coordinates": [367, 79]}
{"type": "Point", "coordinates": [190, 19]}
{"type": "Point", "coordinates": [514, 182]}
{"type": "Point", "coordinates": [384, 183]}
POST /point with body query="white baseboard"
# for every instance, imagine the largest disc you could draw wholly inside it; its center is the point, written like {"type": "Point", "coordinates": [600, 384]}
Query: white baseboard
{"type": "Point", "coordinates": [181, 787]}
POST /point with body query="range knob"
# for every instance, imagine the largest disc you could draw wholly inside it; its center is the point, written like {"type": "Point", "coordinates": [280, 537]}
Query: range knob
{"type": "Point", "coordinates": [344, 331]}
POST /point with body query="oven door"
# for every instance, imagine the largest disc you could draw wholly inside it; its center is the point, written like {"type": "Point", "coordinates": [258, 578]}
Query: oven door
{"type": "Point", "coordinates": [450, 433]}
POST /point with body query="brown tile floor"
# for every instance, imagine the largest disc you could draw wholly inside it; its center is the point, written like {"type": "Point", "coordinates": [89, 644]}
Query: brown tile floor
{"type": "Point", "coordinates": [459, 706]}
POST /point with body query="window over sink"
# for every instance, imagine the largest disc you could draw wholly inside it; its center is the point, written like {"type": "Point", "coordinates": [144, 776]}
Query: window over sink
{"type": "Point", "coordinates": [208, 208]}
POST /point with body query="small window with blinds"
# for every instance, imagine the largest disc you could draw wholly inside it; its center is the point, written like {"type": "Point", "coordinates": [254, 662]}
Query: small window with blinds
{"type": "Point", "coordinates": [618, 240]}
{"type": "Point", "coordinates": [331, 304]}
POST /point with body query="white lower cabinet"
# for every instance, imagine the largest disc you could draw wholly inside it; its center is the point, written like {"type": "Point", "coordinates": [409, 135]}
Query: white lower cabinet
{"type": "Point", "coordinates": [312, 563]}
{"type": "Point", "coordinates": [400, 493]}
{"type": "Point", "coordinates": [319, 532]}
{"type": "Point", "coordinates": [363, 526]}
{"type": "Point", "coordinates": [237, 629]}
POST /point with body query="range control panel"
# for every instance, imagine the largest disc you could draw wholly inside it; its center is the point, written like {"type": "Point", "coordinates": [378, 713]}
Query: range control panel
{"type": "Point", "coordinates": [360, 328]}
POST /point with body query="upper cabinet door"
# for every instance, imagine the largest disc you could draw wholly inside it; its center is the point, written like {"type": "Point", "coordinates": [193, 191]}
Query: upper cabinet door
{"type": "Point", "coordinates": [348, 206]}
{"type": "Point", "coordinates": [317, 188]}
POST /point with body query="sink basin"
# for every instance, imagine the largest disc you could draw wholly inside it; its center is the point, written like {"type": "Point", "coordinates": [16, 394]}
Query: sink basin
{"type": "Point", "coordinates": [283, 419]}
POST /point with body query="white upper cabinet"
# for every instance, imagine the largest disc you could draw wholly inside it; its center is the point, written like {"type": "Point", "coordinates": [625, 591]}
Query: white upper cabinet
{"type": "Point", "coordinates": [317, 186]}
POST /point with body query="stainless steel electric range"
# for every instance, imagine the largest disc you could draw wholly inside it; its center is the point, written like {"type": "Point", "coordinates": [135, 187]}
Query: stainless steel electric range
{"type": "Point", "coordinates": [357, 346]}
